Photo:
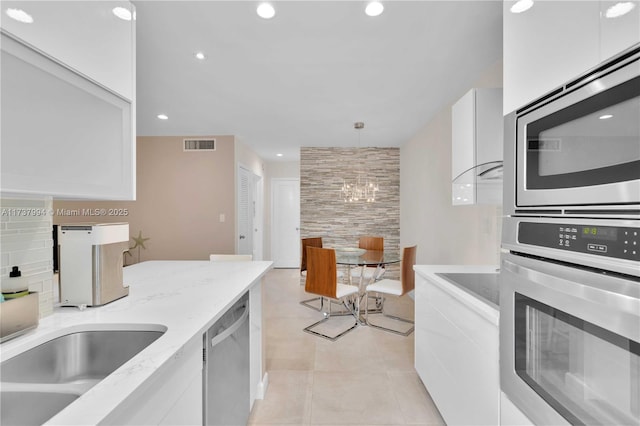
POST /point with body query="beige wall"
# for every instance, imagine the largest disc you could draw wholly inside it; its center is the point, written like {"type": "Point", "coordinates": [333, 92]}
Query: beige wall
{"type": "Point", "coordinates": [444, 234]}
{"type": "Point", "coordinates": [180, 196]}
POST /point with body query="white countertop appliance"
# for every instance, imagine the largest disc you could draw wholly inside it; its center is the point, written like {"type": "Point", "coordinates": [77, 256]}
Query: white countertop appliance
{"type": "Point", "coordinates": [91, 261]}
{"type": "Point", "coordinates": [570, 270]}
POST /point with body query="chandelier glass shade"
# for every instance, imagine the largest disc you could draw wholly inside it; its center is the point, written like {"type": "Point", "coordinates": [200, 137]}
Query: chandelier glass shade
{"type": "Point", "coordinates": [360, 188]}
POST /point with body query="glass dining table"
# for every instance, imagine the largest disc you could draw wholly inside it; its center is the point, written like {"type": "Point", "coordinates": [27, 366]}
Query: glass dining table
{"type": "Point", "coordinates": [361, 257]}
{"type": "Point", "coordinates": [354, 257]}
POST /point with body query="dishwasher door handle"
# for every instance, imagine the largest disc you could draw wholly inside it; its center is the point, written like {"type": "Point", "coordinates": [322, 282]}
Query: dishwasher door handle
{"type": "Point", "coordinates": [229, 331]}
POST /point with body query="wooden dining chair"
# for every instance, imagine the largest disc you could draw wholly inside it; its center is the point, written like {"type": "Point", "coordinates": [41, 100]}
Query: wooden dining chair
{"type": "Point", "coordinates": [366, 273]}
{"type": "Point", "coordinates": [308, 242]}
{"type": "Point", "coordinates": [322, 280]}
{"type": "Point", "coordinates": [395, 288]}
{"type": "Point", "coordinates": [311, 242]}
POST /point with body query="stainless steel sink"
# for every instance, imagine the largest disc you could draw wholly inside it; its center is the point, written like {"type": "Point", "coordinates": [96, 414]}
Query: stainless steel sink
{"type": "Point", "coordinates": [41, 381]}
{"type": "Point", "coordinates": [32, 408]}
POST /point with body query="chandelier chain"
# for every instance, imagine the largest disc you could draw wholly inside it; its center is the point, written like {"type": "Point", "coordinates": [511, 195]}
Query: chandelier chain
{"type": "Point", "coordinates": [362, 187]}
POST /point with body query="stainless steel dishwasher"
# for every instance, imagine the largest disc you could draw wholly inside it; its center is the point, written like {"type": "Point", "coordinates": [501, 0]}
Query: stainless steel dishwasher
{"type": "Point", "coordinates": [226, 368]}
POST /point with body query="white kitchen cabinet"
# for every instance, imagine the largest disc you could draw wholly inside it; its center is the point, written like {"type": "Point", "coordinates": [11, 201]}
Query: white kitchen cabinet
{"type": "Point", "coordinates": [173, 398]}
{"type": "Point", "coordinates": [456, 353]}
{"type": "Point", "coordinates": [68, 119]}
{"type": "Point", "coordinates": [545, 46]}
{"type": "Point", "coordinates": [84, 35]}
{"type": "Point", "coordinates": [556, 41]}
{"type": "Point", "coordinates": [476, 155]}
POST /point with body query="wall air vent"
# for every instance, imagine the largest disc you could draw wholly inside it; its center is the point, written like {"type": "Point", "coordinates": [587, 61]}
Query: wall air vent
{"type": "Point", "coordinates": [199, 145]}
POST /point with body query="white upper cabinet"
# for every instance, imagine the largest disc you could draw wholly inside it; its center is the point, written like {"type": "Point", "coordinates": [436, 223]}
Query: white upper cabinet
{"type": "Point", "coordinates": [68, 100]}
{"type": "Point", "coordinates": [476, 157]}
{"type": "Point", "coordinates": [556, 41]}
{"type": "Point", "coordinates": [86, 36]}
{"type": "Point", "coordinates": [545, 46]}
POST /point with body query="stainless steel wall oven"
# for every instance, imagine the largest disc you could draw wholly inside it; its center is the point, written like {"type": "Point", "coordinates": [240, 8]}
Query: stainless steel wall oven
{"type": "Point", "coordinates": [570, 269]}
{"type": "Point", "coordinates": [569, 342]}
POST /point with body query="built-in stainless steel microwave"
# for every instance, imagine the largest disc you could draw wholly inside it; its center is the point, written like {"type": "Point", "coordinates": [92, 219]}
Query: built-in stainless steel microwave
{"type": "Point", "coordinates": [576, 151]}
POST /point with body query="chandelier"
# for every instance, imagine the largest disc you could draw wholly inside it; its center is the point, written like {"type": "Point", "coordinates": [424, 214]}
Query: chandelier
{"type": "Point", "coordinates": [361, 187]}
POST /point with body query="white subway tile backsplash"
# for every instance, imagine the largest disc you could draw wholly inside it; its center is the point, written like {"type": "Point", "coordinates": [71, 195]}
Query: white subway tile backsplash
{"type": "Point", "coordinates": [20, 203]}
{"type": "Point", "coordinates": [36, 287]}
{"type": "Point", "coordinates": [28, 226]}
{"type": "Point", "coordinates": [36, 236]}
{"type": "Point", "coordinates": [29, 215]}
{"type": "Point", "coordinates": [25, 258]}
{"type": "Point", "coordinates": [32, 268]}
{"type": "Point", "coordinates": [13, 246]}
{"type": "Point", "coordinates": [47, 285]}
{"type": "Point", "coordinates": [26, 241]}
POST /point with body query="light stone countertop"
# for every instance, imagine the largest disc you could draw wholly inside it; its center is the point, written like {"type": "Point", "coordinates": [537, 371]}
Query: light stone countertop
{"type": "Point", "coordinates": [186, 297]}
{"type": "Point", "coordinates": [488, 310]}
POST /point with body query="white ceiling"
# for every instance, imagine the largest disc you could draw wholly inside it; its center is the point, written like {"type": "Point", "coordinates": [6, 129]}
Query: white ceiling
{"type": "Point", "coordinates": [304, 77]}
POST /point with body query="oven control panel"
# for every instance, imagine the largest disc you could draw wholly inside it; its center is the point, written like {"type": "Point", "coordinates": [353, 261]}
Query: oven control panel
{"type": "Point", "coordinates": [610, 241]}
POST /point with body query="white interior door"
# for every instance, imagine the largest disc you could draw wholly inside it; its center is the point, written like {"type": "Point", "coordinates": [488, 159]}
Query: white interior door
{"type": "Point", "coordinates": [285, 223]}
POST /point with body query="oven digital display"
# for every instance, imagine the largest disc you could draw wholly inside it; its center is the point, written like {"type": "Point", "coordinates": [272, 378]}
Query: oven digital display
{"type": "Point", "coordinates": [611, 241]}
{"type": "Point", "coordinates": [600, 233]}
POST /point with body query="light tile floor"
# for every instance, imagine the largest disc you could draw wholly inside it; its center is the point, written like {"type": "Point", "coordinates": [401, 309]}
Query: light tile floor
{"type": "Point", "coordinates": [364, 378]}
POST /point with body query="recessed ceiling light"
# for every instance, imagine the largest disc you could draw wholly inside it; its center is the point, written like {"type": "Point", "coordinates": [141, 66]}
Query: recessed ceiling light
{"type": "Point", "coordinates": [200, 55]}
{"type": "Point", "coordinates": [619, 9]}
{"type": "Point", "coordinates": [266, 10]}
{"type": "Point", "coordinates": [374, 8]}
{"type": "Point", "coordinates": [122, 13]}
{"type": "Point", "coordinates": [605, 117]}
{"type": "Point", "coordinates": [19, 15]}
{"type": "Point", "coordinates": [278, 155]}
{"type": "Point", "coordinates": [163, 116]}
{"type": "Point", "coordinates": [521, 6]}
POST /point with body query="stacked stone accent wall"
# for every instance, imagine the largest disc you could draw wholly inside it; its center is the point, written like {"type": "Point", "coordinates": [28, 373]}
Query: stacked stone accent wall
{"type": "Point", "coordinates": [324, 214]}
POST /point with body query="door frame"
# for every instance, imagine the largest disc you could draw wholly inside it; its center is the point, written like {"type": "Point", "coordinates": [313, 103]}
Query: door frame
{"type": "Point", "coordinates": [256, 198]}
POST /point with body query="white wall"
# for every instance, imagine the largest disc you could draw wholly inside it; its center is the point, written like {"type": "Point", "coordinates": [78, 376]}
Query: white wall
{"type": "Point", "coordinates": [444, 234]}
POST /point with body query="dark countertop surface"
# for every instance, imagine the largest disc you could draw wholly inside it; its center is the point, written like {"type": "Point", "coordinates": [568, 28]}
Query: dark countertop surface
{"type": "Point", "coordinates": [482, 285]}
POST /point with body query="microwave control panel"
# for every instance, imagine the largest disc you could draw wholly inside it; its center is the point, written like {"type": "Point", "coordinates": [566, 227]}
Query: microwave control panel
{"type": "Point", "coordinates": [610, 241]}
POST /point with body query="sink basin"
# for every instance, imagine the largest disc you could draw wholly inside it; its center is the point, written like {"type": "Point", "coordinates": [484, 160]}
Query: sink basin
{"type": "Point", "coordinates": [41, 381]}
{"type": "Point", "coordinates": [32, 408]}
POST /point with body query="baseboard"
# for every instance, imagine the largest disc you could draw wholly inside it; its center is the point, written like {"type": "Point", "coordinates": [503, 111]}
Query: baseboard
{"type": "Point", "coordinates": [261, 388]}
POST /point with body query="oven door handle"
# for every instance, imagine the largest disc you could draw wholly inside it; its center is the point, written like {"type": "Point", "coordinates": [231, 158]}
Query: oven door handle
{"type": "Point", "coordinates": [595, 288]}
